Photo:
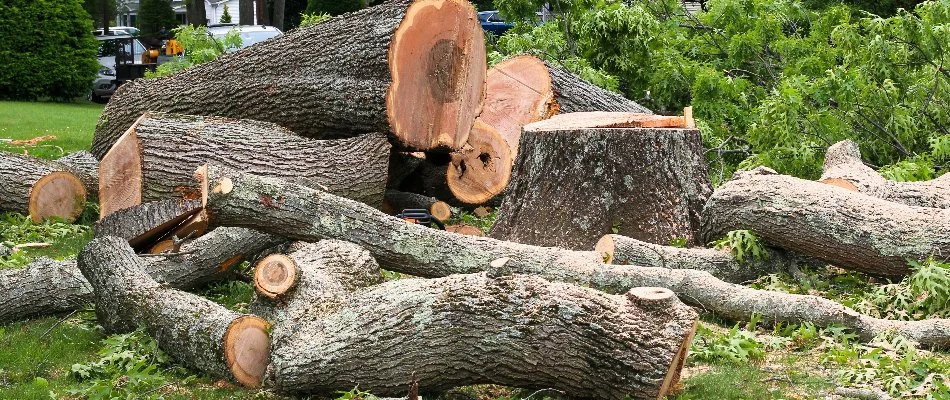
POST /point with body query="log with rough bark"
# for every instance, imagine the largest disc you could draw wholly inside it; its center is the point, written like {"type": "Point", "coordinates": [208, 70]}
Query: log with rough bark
{"type": "Point", "coordinates": [573, 184]}
{"type": "Point", "coordinates": [196, 331]}
{"type": "Point", "coordinates": [155, 159]}
{"type": "Point", "coordinates": [844, 168]}
{"type": "Point", "coordinates": [847, 229]}
{"type": "Point", "coordinates": [415, 69]}
{"type": "Point", "coordinates": [397, 201]}
{"type": "Point", "coordinates": [481, 169]}
{"type": "Point", "coordinates": [145, 224]}
{"type": "Point", "coordinates": [48, 287]}
{"type": "Point", "coordinates": [86, 167]}
{"type": "Point", "coordinates": [39, 188]}
{"type": "Point", "coordinates": [610, 347]}
{"type": "Point", "coordinates": [621, 250]}
{"type": "Point", "coordinates": [525, 89]}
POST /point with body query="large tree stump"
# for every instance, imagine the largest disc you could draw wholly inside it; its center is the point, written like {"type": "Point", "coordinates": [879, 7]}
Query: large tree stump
{"type": "Point", "coordinates": [48, 287]}
{"type": "Point", "coordinates": [311, 215]}
{"type": "Point", "coordinates": [156, 158]}
{"type": "Point", "coordinates": [415, 69]}
{"type": "Point", "coordinates": [464, 329]}
{"type": "Point", "coordinates": [147, 223]}
{"type": "Point", "coordinates": [847, 229]}
{"type": "Point", "coordinates": [844, 168]}
{"type": "Point", "coordinates": [195, 331]}
{"type": "Point", "coordinates": [39, 188]}
{"type": "Point", "coordinates": [580, 176]}
{"type": "Point", "coordinates": [86, 167]}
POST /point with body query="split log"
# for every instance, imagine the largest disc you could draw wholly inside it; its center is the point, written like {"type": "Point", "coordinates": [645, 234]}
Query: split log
{"type": "Point", "coordinates": [48, 287]}
{"type": "Point", "coordinates": [145, 224]}
{"type": "Point", "coordinates": [482, 168]}
{"type": "Point", "coordinates": [397, 201]}
{"type": "Point", "coordinates": [310, 215]}
{"type": "Point", "coordinates": [611, 347]}
{"type": "Point", "coordinates": [573, 184]}
{"type": "Point", "coordinates": [844, 168]}
{"type": "Point", "coordinates": [39, 188]}
{"type": "Point", "coordinates": [525, 89]}
{"type": "Point", "coordinates": [156, 157]}
{"type": "Point", "coordinates": [621, 250]}
{"type": "Point", "coordinates": [464, 230]}
{"type": "Point", "coordinates": [86, 167]}
{"type": "Point", "coordinates": [415, 69]}
{"type": "Point", "coordinates": [847, 229]}
{"type": "Point", "coordinates": [196, 331]}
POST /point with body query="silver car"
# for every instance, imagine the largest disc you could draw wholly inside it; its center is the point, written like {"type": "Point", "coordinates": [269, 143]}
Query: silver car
{"type": "Point", "coordinates": [109, 47]}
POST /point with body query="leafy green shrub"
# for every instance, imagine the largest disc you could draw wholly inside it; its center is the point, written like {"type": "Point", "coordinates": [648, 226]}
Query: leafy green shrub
{"type": "Point", "coordinates": [744, 245]}
{"type": "Point", "coordinates": [737, 346]}
{"type": "Point", "coordinates": [334, 7]}
{"type": "Point", "coordinates": [155, 18]}
{"type": "Point", "coordinates": [225, 15]}
{"type": "Point", "coordinates": [47, 50]}
{"type": "Point", "coordinates": [17, 228]}
{"type": "Point", "coordinates": [199, 47]}
{"type": "Point", "coordinates": [313, 19]}
{"type": "Point", "coordinates": [923, 294]}
{"type": "Point", "coordinates": [129, 366]}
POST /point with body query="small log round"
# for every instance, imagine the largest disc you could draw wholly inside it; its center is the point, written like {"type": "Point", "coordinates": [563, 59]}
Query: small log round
{"type": "Point", "coordinates": [482, 168]}
{"type": "Point", "coordinates": [397, 201]}
{"type": "Point", "coordinates": [275, 275]}
{"type": "Point", "coordinates": [39, 188]}
{"type": "Point", "coordinates": [247, 349]}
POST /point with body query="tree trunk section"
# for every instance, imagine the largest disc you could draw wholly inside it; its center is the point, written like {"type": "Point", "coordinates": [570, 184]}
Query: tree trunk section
{"type": "Point", "coordinates": [145, 224]}
{"type": "Point", "coordinates": [310, 215]}
{"type": "Point", "coordinates": [436, 330]}
{"type": "Point", "coordinates": [412, 69]}
{"type": "Point", "coordinates": [86, 167]}
{"type": "Point", "coordinates": [571, 186]}
{"type": "Point", "coordinates": [279, 7]}
{"type": "Point", "coordinates": [849, 230]}
{"type": "Point", "coordinates": [482, 168]}
{"type": "Point", "coordinates": [39, 188]}
{"type": "Point", "coordinates": [246, 12]}
{"type": "Point", "coordinates": [397, 201]}
{"type": "Point", "coordinates": [156, 158]}
{"type": "Point", "coordinates": [198, 332]}
{"type": "Point", "coordinates": [844, 168]}
{"type": "Point", "coordinates": [48, 287]}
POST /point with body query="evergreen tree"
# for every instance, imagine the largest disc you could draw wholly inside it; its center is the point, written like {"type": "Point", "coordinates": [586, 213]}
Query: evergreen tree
{"type": "Point", "coordinates": [334, 7]}
{"type": "Point", "coordinates": [225, 15]}
{"type": "Point", "coordinates": [156, 17]}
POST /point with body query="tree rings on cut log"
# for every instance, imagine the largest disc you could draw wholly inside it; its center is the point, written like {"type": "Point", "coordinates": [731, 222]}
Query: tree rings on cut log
{"type": "Point", "coordinates": [518, 92]}
{"type": "Point", "coordinates": [438, 65]}
{"type": "Point", "coordinates": [482, 168]}
{"type": "Point", "coordinates": [605, 247]}
{"type": "Point", "coordinates": [59, 194]}
{"type": "Point", "coordinates": [275, 275]}
{"type": "Point", "coordinates": [247, 349]}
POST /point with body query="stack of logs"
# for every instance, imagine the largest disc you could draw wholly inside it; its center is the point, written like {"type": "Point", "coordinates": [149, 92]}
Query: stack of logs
{"type": "Point", "coordinates": [294, 154]}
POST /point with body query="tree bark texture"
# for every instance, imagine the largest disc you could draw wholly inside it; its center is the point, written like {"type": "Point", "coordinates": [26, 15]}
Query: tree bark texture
{"type": "Point", "coordinates": [570, 187]}
{"type": "Point", "coordinates": [279, 7]}
{"type": "Point", "coordinates": [513, 330]}
{"type": "Point", "coordinates": [86, 167]}
{"type": "Point", "coordinates": [157, 157]}
{"type": "Point", "coordinates": [39, 188]}
{"type": "Point", "coordinates": [48, 287]}
{"type": "Point", "coordinates": [147, 223]}
{"type": "Point", "coordinates": [195, 331]}
{"type": "Point", "coordinates": [847, 229]}
{"type": "Point", "coordinates": [844, 168]}
{"type": "Point", "coordinates": [412, 69]}
{"type": "Point", "coordinates": [310, 215]}
{"type": "Point", "coordinates": [246, 12]}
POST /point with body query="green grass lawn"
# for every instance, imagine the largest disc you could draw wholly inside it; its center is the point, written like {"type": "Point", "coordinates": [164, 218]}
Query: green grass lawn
{"type": "Point", "coordinates": [38, 358]}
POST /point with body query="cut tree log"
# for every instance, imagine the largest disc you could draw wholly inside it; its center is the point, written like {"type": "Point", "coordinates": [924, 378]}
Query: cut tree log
{"type": "Point", "coordinates": [621, 250]}
{"type": "Point", "coordinates": [844, 168]}
{"type": "Point", "coordinates": [572, 185]}
{"type": "Point", "coordinates": [847, 229]}
{"type": "Point", "coordinates": [145, 224]}
{"type": "Point", "coordinates": [311, 215]}
{"type": "Point", "coordinates": [525, 89]}
{"type": "Point", "coordinates": [415, 69]}
{"type": "Point", "coordinates": [39, 188]}
{"type": "Point", "coordinates": [195, 331]}
{"type": "Point", "coordinates": [482, 168]}
{"type": "Point", "coordinates": [611, 347]}
{"type": "Point", "coordinates": [156, 157]}
{"type": "Point", "coordinates": [464, 230]}
{"type": "Point", "coordinates": [397, 201]}
{"type": "Point", "coordinates": [48, 287]}
{"type": "Point", "coordinates": [86, 167]}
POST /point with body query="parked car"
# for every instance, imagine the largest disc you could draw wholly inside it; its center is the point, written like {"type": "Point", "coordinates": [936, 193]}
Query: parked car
{"type": "Point", "coordinates": [493, 22]}
{"type": "Point", "coordinates": [250, 34]}
{"type": "Point", "coordinates": [110, 48]}
{"type": "Point", "coordinates": [118, 30]}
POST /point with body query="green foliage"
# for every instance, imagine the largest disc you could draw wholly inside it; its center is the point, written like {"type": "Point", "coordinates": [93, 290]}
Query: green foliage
{"type": "Point", "coordinates": [128, 367]}
{"type": "Point", "coordinates": [225, 15]}
{"type": "Point", "coordinates": [313, 19]}
{"type": "Point", "coordinates": [743, 244]}
{"type": "Point", "coordinates": [47, 50]}
{"type": "Point", "coordinates": [356, 394]}
{"type": "Point", "coordinates": [18, 228]}
{"type": "Point", "coordinates": [464, 217]}
{"type": "Point", "coordinates": [199, 47]}
{"type": "Point", "coordinates": [923, 294]}
{"type": "Point", "coordinates": [156, 17]}
{"type": "Point", "coordinates": [738, 346]}
{"type": "Point", "coordinates": [95, 8]}
{"type": "Point", "coordinates": [334, 7]}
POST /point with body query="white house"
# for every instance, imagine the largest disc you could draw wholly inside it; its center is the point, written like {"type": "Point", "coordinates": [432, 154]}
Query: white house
{"type": "Point", "coordinates": [128, 11]}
